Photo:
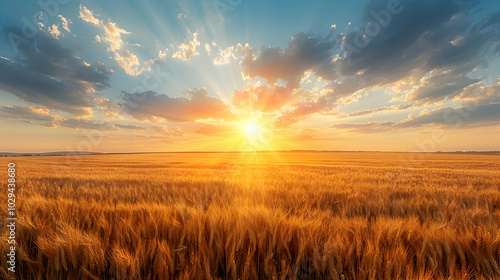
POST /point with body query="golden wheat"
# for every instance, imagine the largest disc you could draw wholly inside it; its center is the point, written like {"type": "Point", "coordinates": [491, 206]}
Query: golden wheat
{"type": "Point", "coordinates": [288, 215]}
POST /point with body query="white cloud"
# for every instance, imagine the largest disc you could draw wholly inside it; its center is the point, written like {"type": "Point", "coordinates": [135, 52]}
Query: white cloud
{"type": "Point", "coordinates": [225, 56]}
{"type": "Point", "coordinates": [208, 49]}
{"type": "Point", "coordinates": [113, 37]}
{"type": "Point", "coordinates": [54, 31]}
{"type": "Point", "coordinates": [188, 50]}
{"type": "Point", "coordinates": [88, 16]}
{"type": "Point", "coordinates": [65, 23]}
{"type": "Point", "coordinates": [128, 61]}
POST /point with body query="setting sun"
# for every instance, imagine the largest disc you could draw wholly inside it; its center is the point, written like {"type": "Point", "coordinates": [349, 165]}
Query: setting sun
{"type": "Point", "coordinates": [252, 130]}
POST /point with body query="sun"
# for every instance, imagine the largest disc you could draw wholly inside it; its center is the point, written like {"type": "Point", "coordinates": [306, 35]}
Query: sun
{"type": "Point", "coordinates": [252, 130]}
{"type": "Point", "coordinates": [255, 135]}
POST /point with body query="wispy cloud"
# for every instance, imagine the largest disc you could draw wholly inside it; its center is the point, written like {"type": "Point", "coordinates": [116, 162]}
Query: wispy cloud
{"type": "Point", "coordinates": [113, 37]}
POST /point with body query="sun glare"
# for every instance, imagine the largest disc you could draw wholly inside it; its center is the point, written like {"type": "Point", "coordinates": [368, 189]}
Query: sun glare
{"type": "Point", "coordinates": [255, 135]}
{"type": "Point", "coordinates": [252, 130]}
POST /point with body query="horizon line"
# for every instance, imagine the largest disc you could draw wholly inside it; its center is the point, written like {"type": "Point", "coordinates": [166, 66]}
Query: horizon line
{"type": "Point", "coordinates": [82, 153]}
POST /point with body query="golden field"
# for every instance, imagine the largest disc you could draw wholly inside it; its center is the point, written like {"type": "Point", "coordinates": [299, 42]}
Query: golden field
{"type": "Point", "coordinates": [266, 215]}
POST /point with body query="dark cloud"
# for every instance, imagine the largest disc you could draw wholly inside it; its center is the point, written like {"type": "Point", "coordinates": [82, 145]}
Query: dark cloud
{"type": "Point", "coordinates": [446, 118]}
{"type": "Point", "coordinates": [425, 49]}
{"type": "Point", "coordinates": [47, 73]}
{"type": "Point", "coordinates": [463, 117]}
{"type": "Point", "coordinates": [153, 106]}
{"type": "Point", "coordinates": [303, 53]}
{"type": "Point", "coordinates": [42, 116]}
{"type": "Point", "coordinates": [439, 87]}
{"type": "Point", "coordinates": [425, 36]}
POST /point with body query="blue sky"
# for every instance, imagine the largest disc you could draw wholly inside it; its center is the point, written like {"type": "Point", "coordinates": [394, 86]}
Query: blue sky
{"type": "Point", "coordinates": [198, 72]}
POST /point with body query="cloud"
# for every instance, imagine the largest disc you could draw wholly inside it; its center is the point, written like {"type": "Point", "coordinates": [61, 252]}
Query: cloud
{"type": "Point", "coordinates": [188, 50]}
{"type": "Point", "coordinates": [128, 61]}
{"type": "Point", "coordinates": [445, 118]}
{"type": "Point", "coordinates": [469, 116]}
{"type": "Point", "coordinates": [439, 86]}
{"type": "Point", "coordinates": [303, 53]}
{"type": "Point", "coordinates": [88, 15]}
{"type": "Point", "coordinates": [49, 74]}
{"type": "Point", "coordinates": [41, 115]}
{"type": "Point", "coordinates": [371, 127]}
{"type": "Point", "coordinates": [425, 55]}
{"type": "Point", "coordinates": [153, 106]}
{"type": "Point", "coordinates": [160, 59]}
{"type": "Point", "coordinates": [480, 94]}
{"type": "Point", "coordinates": [342, 88]}
{"type": "Point", "coordinates": [113, 37]}
{"type": "Point", "coordinates": [109, 108]}
{"type": "Point", "coordinates": [130, 126]}
{"type": "Point", "coordinates": [208, 49]}
{"type": "Point", "coordinates": [65, 23]}
{"type": "Point", "coordinates": [393, 108]}
{"type": "Point", "coordinates": [437, 37]}
{"type": "Point", "coordinates": [301, 109]}
{"type": "Point", "coordinates": [225, 56]}
{"type": "Point", "coordinates": [38, 114]}
{"type": "Point", "coordinates": [262, 98]}
{"type": "Point", "coordinates": [54, 31]}
{"type": "Point", "coordinates": [86, 124]}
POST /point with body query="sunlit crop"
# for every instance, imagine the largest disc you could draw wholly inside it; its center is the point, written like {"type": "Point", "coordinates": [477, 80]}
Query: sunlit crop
{"type": "Point", "coordinates": [295, 215]}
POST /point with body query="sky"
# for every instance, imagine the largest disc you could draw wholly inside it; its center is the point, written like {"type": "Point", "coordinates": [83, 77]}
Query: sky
{"type": "Point", "coordinates": [235, 75]}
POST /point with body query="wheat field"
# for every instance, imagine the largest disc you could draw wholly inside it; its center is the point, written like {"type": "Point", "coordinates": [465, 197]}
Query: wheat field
{"type": "Point", "coordinates": [266, 215]}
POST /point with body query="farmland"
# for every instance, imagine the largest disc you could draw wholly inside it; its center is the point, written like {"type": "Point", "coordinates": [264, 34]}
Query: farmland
{"type": "Point", "coordinates": [265, 215]}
